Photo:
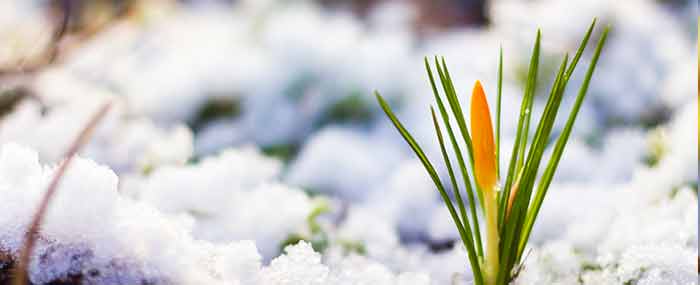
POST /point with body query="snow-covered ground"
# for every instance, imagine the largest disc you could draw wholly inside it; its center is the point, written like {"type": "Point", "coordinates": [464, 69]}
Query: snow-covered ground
{"type": "Point", "coordinates": [244, 145]}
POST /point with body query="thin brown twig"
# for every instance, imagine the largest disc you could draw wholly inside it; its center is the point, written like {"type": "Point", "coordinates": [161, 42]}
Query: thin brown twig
{"type": "Point", "coordinates": [21, 276]}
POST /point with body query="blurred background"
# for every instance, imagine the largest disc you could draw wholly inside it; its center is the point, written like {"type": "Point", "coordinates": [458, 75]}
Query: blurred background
{"type": "Point", "coordinates": [294, 78]}
{"type": "Point", "coordinates": [273, 72]}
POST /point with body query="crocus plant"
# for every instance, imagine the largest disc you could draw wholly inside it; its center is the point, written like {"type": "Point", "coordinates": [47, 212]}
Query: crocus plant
{"type": "Point", "coordinates": [508, 204]}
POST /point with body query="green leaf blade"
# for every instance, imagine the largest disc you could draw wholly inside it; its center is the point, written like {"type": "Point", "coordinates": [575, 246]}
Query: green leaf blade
{"type": "Point", "coordinates": [471, 252]}
{"type": "Point", "coordinates": [550, 170]}
{"type": "Point", "coordinates": [460, 158]}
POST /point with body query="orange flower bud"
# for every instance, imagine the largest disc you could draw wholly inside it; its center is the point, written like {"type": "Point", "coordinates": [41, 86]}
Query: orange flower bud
{"type": "Point", "coordinates": [482, 140]}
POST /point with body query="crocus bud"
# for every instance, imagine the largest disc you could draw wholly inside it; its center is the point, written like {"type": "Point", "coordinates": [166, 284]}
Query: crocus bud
{"type": "Point", "coordinates": [482, 140]}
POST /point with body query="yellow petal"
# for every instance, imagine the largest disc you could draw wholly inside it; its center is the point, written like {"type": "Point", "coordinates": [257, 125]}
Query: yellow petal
{"type": "Point", "coordinates": [482, 140]}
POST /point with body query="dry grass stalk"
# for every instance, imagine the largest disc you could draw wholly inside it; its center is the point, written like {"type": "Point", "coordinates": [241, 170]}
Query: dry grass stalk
{"type": "Point", "coordinates": [21, 276]}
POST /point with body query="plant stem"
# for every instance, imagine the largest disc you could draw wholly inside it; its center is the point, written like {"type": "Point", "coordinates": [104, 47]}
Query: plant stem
{"type": "Point", "coordinates": [491, 209]}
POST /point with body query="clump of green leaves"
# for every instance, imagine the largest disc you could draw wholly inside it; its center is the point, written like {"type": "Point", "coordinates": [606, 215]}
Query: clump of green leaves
{"type": "Point", "coordinates": [518, 195]}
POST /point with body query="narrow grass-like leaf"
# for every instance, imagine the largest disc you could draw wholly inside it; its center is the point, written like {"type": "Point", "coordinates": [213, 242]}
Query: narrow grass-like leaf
{"type": "Point", "coordinates": [548, 174]}
{"type": "Point", "coordinates": [473, 260]}
{"type": "Point", "coordinates": [501, 195]}
{"type": "Point", "coordinates": [521, 134]}
{"type": "Point", "coordinates": [521, 200]}
{"type": "Point", "coordinates": [581, 47]}
{"type": "Point", "coordinates": [456, 108]}
{"type": "Point", "coordinates": [460, 160]}
{"type": "Point", "coordinates": [453, 180]}
{"type": "Point", "coordinates": [458, 114]}
{"type": "Point", "coordinates": [525, 107]}
{"type": "Point", "coordinates": [498, 111]}
{"type": "Point", "coordinates": [530, 89]}
{"type": "Point", "coordinates": [563, 81]}
{"type": "Point", "coordinates": [446, 158]}
{"type": "Point", "coordinates": [534, 157]}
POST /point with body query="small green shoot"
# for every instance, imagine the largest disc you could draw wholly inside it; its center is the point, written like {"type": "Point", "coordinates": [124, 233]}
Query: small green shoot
{"type": "Point", "coordinates": [314, 233]}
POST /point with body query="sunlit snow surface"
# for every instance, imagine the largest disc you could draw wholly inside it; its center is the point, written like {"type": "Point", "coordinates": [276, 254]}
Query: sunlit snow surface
{"type": "Point", "coordinates": [164, 195]}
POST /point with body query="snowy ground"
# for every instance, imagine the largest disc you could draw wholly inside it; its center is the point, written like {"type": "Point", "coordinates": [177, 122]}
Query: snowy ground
{"type": "Point", "coordinates": [239, 130]}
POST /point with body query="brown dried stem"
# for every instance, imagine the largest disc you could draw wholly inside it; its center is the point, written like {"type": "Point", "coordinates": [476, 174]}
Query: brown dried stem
{"type": "Point", "coordinates": [21, 276]}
